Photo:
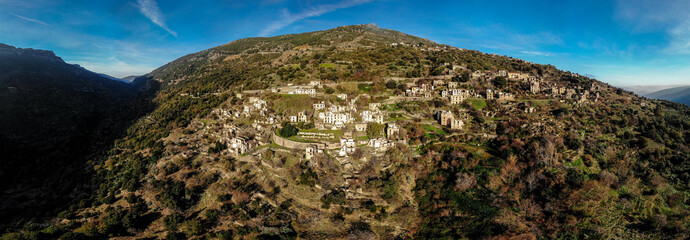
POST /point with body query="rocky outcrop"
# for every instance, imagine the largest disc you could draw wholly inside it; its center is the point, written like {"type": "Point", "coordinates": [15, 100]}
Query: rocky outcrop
{"type": "Point", "coordinates": [10, 51]}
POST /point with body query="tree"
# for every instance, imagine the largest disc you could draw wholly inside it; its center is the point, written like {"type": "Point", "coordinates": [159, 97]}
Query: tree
{"type": "Point", "coordinates": [288, 131]}
{"type": "Point", "coordinates": [193, 227]}
{"type": "Point", "coordinates": [172, 221]}
{"type": "Point", "coordinates": [415, 72]}
{"type": "Point", "coordinates": [438, 71]}
{"type": "Point", "coordinates": [465, 77]}
{"type": "Point", "coordinates": [375, 130]}
{"type": "Point", "coordinates": [391, 84]}
{"type": "Point", "coordinates": [402, 87]}
{"type": "Point", "coordinates": [500, 82]}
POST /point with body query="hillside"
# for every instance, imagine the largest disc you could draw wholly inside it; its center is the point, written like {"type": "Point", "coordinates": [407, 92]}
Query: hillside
{"type": "Point", "coordinates": [53, 116]}
{"type": "Point", "coordinates": [676, 94]}
{"type": "Point", "coordinates": [360, 132]}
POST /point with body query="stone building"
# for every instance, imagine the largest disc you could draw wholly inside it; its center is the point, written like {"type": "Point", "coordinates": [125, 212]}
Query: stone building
{"type": "Point", "coordinates": [311, 151]}
{"type": "Point", "coordinates": [392, 129]}
{"type": "Point", "coordinates": [445, 118]}
{"type": "Point", "coordinates": [374, 106]}
{"type": "Point", "coordinates": [456, 99]}
{"type": "Point", "coordinates": [456, 124]}
{"type": "Point", "coordinates": [300, 117]}
{"type": "Point", "coordinates": [335, 118]}
{"type": "Point", "coordinates": [517, 76]}
{"type": "Point", "coordinates": [238, 145]}
{"type": "Point", "coordinates": [369, 116]}
{"type": "Point", "coordinates": [319, 106]}
{"type": "Point", "coordinates": [534, 87]}
{"type": "Point", "coordinates": [360, 127]}
{"type": "Point", "coordinates": [489, 94]}
{"type": "Point", "coordinates": [347, 146]}
{"type": "Point", "coordinates": [505, 96]}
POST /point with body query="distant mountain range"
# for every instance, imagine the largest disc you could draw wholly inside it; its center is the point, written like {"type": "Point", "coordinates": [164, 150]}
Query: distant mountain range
{"type": "Point", "coordinates": [676, 94]}
{"type": "Point", "coordinates": [643, 90]}
{"type": "Point", "coordinates": [129, 78]}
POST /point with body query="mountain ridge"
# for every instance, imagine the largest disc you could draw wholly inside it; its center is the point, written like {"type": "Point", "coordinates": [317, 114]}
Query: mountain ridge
{"type": "Point", "coordinates": [676, 94]}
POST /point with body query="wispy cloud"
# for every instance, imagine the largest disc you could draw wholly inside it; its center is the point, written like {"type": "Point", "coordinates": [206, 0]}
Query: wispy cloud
{"type": "Point", "coordinates": [30, 19]}
{"type": "Point", "coordinates": [680, 39]}
{"type": "Point", "coordinates": [502, 38]}
{"type": "Point", "coordinates": [669, 16]}
{"type": "Point", "coordinates": [289, 18]}
{"type": "Point", "coordinates": [150, 9]}
{"type": "Point", "coordinates": [535, 53]}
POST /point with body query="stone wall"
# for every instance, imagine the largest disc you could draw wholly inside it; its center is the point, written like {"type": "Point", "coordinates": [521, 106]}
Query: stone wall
{"type": "Point", "coordinates": [295, 145]}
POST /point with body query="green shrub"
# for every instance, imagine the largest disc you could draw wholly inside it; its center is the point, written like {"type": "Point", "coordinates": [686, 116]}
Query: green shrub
{"type": "Point", "coordinates": [308, 178]}
{"type": "Point", "coordinates": [172, 221]}
{"type": "Point", "coordinates": [500, 82]}
{"type": "Point", "coordinates": [334, 197]}
{"type": "Point", "coordinates": [193, 227]}
{"type": "Point", "coordinates": [288, 131]}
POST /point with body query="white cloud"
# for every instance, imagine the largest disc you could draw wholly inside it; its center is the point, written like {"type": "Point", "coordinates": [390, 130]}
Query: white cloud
{"type": "Point", "coordinates": [150, 9]}
{"type": "Point", "coordinates": [289, 18]}
{"type": "Point", "coordinates": [30, 19]}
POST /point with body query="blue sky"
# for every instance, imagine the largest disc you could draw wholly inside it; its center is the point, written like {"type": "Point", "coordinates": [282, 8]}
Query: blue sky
{"type": "Point", "coordinates": [622, 42]}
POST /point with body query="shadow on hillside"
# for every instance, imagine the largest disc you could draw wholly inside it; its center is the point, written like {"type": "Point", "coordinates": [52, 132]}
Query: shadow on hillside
{"type": "Point", "coordinates": [45, 172]}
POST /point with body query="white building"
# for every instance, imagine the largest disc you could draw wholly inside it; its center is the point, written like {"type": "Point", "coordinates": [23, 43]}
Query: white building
{"type": "Point", "coordinates": [347, 146]}
{"type": "Point", "coordinates": [335, 118]}
{"type": "Point", "coordinates": [305, 91]}
{"type": "Point", "coordinates": [379, 144]}
{"type": "Point", "coordinates": [369, 116]}
{"type": "Point", "coordinates": [319, 106]}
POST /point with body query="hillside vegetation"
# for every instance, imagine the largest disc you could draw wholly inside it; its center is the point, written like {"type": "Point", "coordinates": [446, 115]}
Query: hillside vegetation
{"type": "Point", "coordinates": [239, 147]}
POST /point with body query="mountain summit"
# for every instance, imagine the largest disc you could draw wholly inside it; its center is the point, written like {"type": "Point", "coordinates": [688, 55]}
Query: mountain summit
{"type": "Point", "coordinates": [361, 132]}
{"type": "Point", "coordinates": [7, 51]}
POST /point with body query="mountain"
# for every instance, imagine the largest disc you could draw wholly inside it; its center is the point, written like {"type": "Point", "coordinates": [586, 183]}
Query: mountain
{"type": "Point", "coordinates": [114, 78]}
{"type": "Point", "coordinates": [53, 116]}
{"type": "Point", "coordinates": [102, 74]}
{"type": "Point", "coordinates": [676, 94]}
{"type": "Point", "coordinates": [361, 132]}
{"type": "Point", "coordinates": [130, 78]}
{"type": "Point", "coordinates": [643, 90]}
